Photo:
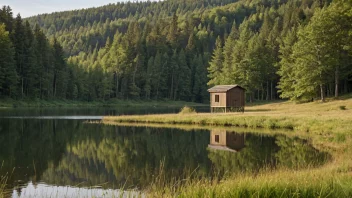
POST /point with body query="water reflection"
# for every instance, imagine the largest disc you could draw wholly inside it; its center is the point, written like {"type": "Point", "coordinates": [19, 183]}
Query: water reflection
{"type": "Point", "coordinates": [71, 153]}
{"type": "Point", "coordinates": [227, 141]}
{"type": "Point", "coordinates": [44, 190]}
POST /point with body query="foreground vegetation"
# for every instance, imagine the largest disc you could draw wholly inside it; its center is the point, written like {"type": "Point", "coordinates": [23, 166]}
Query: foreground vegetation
{"type": "Point", "coordinates": [327, 125]}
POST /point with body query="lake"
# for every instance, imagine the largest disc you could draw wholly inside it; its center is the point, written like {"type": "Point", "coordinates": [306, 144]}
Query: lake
{"type": "Point", "coordinates": [55, 152]}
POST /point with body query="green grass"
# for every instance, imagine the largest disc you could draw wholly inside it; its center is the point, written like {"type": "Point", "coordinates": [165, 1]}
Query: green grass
{"type": "Point", "coordinates": [276, 184]}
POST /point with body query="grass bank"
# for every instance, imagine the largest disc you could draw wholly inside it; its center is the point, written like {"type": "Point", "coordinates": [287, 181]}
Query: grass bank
{"type": "Point", "coordinates": [328, 126]}
{"type": "Point", "coordinates": [10, 103]}
{"type": "Point", "coordinates": [330, 117]}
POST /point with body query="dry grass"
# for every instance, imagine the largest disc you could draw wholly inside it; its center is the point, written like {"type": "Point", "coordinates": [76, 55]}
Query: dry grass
{"type": "Point", "coordinates": [313, 117]}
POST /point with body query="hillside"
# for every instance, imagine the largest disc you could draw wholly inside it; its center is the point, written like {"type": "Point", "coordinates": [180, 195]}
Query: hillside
{"type": "Point", "coordinates": [177, 49]}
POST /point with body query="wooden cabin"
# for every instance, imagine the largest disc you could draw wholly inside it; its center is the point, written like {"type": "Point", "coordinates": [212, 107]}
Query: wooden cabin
{"type": "Point", "coordinates": [227, 141]}
{"type": "Point", "coordinates": [227, 98]}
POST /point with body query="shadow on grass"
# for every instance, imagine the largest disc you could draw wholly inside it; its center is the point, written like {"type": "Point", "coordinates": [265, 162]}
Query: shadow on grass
{"type": "Point", "coordinates": [257, 110]}
{"type": "Point", "coordinates": [264, 102]}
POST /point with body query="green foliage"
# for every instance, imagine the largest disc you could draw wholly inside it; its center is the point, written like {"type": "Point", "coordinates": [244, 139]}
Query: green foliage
{"type": "Point", "coordinates": [174, 49]}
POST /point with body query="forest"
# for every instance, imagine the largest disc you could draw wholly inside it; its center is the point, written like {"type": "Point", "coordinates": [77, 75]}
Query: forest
{"type": "Point", "coordinates": [175, 49]}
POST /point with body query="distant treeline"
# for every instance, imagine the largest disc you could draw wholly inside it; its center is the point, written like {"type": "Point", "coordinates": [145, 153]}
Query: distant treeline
{"type": "Point", "coordinates": [175, 49]}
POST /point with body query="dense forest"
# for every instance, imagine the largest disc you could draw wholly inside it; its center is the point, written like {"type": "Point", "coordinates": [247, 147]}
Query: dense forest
{"type": "Point", "coordinates": [176, 49]}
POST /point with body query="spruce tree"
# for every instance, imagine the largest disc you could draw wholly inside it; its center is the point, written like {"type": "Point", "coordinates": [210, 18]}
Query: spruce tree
{"type": "Point", "coordinates": [8, 75]}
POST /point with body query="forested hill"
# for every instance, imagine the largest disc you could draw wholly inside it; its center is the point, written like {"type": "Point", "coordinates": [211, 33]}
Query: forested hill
{"type": "Point", "coordinates": [297, 49]}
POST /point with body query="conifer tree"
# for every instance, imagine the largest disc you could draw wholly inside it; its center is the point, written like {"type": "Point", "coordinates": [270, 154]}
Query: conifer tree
{"type": "Point", "coordinates": [8, 75]}
{"type": "Point", "coordinates": [216, 64]}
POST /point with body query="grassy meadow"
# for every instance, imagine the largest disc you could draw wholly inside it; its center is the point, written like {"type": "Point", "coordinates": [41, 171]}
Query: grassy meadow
{"type": "Point", "coordinates": [328, 126]}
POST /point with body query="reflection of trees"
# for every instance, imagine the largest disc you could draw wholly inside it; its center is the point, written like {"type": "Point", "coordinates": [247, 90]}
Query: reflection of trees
{"type": "Point", "coordinates": [67, 152]}
{"type": "Point", "coordinates": [258, 152]}
{"type": "Point", "coordinates": [133, 155]}
{"type": "Point", "coordinates": [297, 153]}
{"type": "Point", "coordinates": [27, 146]}
{"type": "Point", "coordinates": [267, 152]}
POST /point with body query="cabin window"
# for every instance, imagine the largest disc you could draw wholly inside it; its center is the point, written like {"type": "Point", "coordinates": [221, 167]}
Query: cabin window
{"type": "Point", "coordinates": [216, 98]}
{"type": "Point", "coordinates": [217, 138]}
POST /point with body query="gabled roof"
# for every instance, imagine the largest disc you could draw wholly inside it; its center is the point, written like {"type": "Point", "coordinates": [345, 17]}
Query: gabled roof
{"type": "Point", "coordinates": [223, 88]}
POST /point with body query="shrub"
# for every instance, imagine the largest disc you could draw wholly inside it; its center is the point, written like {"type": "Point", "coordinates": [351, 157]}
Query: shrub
{"type": "Point", "coordinates": [342, 107]}
{"type": "Point", "coordinates": [187, 110]}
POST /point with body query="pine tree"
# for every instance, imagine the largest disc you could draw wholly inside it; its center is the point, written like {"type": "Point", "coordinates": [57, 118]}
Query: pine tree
{"type": "Point", "coordinates": [286, 69]}
{"type": "Point", "coordinates": [185, 75]}
{"type": "Point", "coordinates": [216, 64]}
{"type": "Point", "coordinates": [60, 71]}
{"type": "Point", "coordinates": [8, 75]}
{"type": "Point", "coordinates": [18, 40]}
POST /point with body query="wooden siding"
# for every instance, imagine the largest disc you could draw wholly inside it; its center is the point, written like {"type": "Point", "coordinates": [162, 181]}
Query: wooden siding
{"type": "Point", "coordinates": [235, 97]}
{"type": "Point", "coordinates": [222, 137]}
{"type": "Point", "coordinates": [231, 140]}
{"type": "Point", "coordinates": [222, 100]}
{"type": "Point", "coordinates": [235, 140]}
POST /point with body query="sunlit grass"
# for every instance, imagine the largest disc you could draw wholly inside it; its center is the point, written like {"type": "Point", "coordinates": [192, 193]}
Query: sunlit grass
{"type": "Point", "coordinates": [313, 117]}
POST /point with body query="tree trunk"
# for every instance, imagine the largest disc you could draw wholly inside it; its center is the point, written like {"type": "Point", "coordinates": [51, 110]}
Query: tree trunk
{"type": "Point", "coordinates": [117, 85]}
{"type": "Point", "coordinates": [22, 87]}
{"type": "Point", "coordinates": [172, 86]}
{"type": "Point", "coordinates": [267, 90]}
{"type": "Point", "coordinates": [322, 93]}
{"type": "Point", "coordinates": [271, 90]}
{"type": "Point", "coordinates": [337, 82]}
{"type": "Point", "coordinates": [54, 86]}
{"type": "Point", "coordinates": [345, 87]}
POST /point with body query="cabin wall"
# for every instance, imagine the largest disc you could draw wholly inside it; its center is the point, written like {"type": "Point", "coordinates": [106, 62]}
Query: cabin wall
{"type": "Point", "coordinates": [235, 140]}
{"type": "Point", "coordinates": [235, 97]}
{"type": "Point", "coordinates": [221, 135]}
{"type": "Point", "coordinates": [222, 100]}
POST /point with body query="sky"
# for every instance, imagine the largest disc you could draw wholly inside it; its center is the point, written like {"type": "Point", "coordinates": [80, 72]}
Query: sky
{"type": "Point", "coordinates": [33, 7]}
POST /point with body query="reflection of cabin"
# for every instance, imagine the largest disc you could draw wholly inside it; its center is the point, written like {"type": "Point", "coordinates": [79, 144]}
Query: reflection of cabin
{"type": "Point", "coordinates": [227, 98]}
{"type": "Point", "coordinates": [228, 141]}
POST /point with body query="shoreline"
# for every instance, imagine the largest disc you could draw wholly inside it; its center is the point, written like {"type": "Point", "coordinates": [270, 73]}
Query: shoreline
{"type": "Point", "coordinates": [9, 103]}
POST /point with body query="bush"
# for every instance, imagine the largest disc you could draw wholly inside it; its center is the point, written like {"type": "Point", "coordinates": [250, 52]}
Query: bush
{"type": "Point", "coordinates": [342, 107]}
{"type": "Point", "coordinates": [187, 110]}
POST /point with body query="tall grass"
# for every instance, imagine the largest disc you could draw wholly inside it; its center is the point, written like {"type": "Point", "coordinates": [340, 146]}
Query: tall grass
{"type": "Point", "coordinates": [3, 184]}
{"type": "Point", "coordinates": [284, 183]}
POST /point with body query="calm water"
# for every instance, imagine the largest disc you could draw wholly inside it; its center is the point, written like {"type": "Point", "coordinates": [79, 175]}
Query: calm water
{"type": "Point", "coordinates": [52, 152]}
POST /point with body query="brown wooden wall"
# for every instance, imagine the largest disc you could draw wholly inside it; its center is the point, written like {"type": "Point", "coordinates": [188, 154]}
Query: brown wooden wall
{"type": "Point", "coordinates": [222, 137]}
{"type": "Point", "coordinates": [232, 98]}
{"type": "Point", "coordinates": [235, 97]}
{"type": "Point", "coordinates": [222, 100]}
{"type": "Point", "coordinates": [235, 140]}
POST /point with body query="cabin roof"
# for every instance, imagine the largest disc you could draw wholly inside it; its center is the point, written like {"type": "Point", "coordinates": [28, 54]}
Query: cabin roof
{"type": "Point", "coordinates": [223, 148]}
{"type": "Point", "coordinates": [223, 88]}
